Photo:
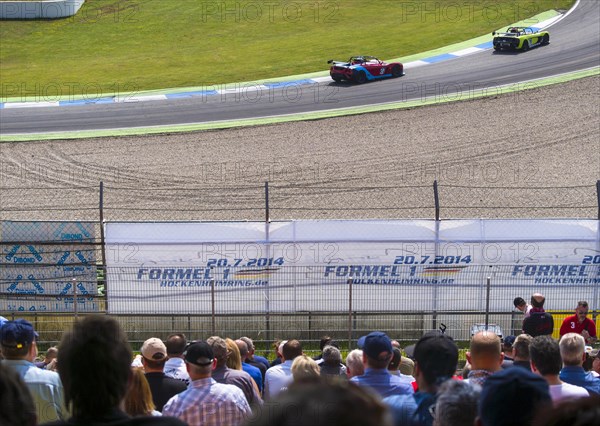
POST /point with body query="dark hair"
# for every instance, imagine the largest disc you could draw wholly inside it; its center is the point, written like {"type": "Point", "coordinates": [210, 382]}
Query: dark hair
{"type": "Point", "coordinates": [582, 303]}
{"type": "Point", "coordinates": [437, 356]}
{"type": "Point", "coordinates": [537, 304]}
{"type": "Point", "coordinates": [16, 404]}
{"type": "Point", "coordinates": [545, 354]}
{"type": "Point", "coordinates": [291, 349]}
{"type": "Point", "coordinates": [94, 366]}
{"type": "Point", "coordinates": [176, 344]}
{"type": "Point", "coordinates": [16, 353]}
{"type": "Point", "coordinates": [518, 301]}
{"type": "Point", "coordinates": [325, 340]}
{"type": "Point", "coordinates": [396, 358]}
{"type": "Point", "coordinates": [575, 412]}
{"type": "Point", "coordinates": [513, 396]}
{"type": "Point", "coordinates": [379, 364]}
{"type": "Point", "coordinates": [155, 364]}
{"type": "Point", "coordinates": [331, 403]}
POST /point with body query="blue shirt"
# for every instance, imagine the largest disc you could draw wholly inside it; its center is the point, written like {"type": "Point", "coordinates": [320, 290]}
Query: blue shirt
{"type": "Point", "coordinates": [262, 360]}
{"type": "Point", "coordinates": [45, 387]}
{"type": "Point", "coordinates": [254, 373]}
{"type": "Point", "coordinates": [411, 410]}
{"type": "Point", "coordinates": [381, 381]}
{"type": "Point", "coordinates": [577, 376]}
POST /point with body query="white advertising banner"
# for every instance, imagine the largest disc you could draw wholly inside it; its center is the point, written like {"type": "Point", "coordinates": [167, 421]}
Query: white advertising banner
{"type": "Point", "coordinates": [307, 265]}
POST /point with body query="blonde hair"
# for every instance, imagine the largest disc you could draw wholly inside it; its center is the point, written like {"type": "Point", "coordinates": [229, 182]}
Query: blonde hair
{"type": "Point", "coordinates": [234, 359]}
{"type": "Point", "coordinates": [305, 369]}
{"type": "Point", "coordinates": [572, 347]}
{"type": "Point", "coordinates": [138, 398]}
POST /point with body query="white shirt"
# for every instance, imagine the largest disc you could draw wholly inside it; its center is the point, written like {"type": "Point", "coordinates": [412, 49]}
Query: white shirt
{"type": "Point", "coordinates": [175, 368]}
{"type": "Point", "coordinates": [566, 391]}
{"type": "Point", "coordinates": [277, 379]}
{"type": "Point", "coordinates": [406, 378]}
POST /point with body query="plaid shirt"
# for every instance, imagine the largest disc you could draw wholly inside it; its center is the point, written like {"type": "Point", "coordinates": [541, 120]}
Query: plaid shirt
{"type": "Point", "coordinates": [209, 403]}
{"type": "Point", "coordinates": [479, 377]}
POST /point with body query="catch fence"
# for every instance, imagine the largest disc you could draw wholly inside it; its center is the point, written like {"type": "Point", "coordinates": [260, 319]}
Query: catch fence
{"type": "Point", "coordinates": [74, 278]}
{"type": "Point", "coordinates": [280, 201]}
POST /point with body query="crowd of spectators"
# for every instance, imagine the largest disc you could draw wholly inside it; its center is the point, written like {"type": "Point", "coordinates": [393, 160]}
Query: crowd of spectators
{"type": "Point", "coordinates": [223, 382]}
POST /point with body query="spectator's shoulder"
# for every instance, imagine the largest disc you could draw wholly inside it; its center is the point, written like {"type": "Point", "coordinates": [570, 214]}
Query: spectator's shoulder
{"type": "Point", "coordinates": [400, 402]}
{"type": "Point", "coordinates": [136, 421]}
{"type": "Point", "coordinates": [155, 421]}
{"type": "Point", "coordinates": [34, 372]}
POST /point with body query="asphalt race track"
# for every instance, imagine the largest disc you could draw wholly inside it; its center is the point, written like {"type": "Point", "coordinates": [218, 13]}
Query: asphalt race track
{"type": "Point", "coordinates": [574, 45]}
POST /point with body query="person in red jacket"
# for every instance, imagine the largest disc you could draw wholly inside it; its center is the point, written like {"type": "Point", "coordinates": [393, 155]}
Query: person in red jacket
{"type": "Point", "coordinates": [580, 324]}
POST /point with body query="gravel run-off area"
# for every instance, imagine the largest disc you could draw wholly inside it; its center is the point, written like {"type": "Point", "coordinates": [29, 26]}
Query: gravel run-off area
{"type": "Point", "coordinates": [531, 154]}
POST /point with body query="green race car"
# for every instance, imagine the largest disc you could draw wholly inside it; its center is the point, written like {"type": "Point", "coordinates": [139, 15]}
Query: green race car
{"type": "Point", "coordinates": [520, 38]}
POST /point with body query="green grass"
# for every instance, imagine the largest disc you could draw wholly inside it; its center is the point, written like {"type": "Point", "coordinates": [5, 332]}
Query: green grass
{"type": "Point", "coordinates": [131, 45]}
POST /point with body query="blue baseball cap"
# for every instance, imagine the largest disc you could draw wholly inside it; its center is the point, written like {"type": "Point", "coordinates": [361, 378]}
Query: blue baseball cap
{"type": "Point", "coordinates": [376, 345]}
{"type": "Point", "coordinates": [17, 333]}
{"type": "Point", "coordinates": [512, 396]}
{"type": "Point", "coordinates": [509, 340]}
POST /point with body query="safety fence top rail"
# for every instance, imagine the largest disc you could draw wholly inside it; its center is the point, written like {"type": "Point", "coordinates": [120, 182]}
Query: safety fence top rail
{"type": "Point", "coordinates": [252, 202]}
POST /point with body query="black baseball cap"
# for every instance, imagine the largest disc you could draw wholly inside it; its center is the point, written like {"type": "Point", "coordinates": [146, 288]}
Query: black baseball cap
{"type": "Point", "coordinates": [436, 354]}
{"type": "Point", "coordinates": [199, 353]}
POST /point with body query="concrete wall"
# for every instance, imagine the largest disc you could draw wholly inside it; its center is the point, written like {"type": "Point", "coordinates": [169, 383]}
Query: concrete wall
{"type": "Point", "coordinates": [48, 9]}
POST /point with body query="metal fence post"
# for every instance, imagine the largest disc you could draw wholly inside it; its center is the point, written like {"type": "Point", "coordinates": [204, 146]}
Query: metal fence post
{"type": "Point", "coordinates": [436, 198]}
{"type": "Point", "coordinates": [267, 292]}
{"type": "Point", "coordinates": [75, 297]}
{"type": "Point", "coordinates": [212, 302]}
{"type": "Point", "coordinates": [598, 196]}
{"type": "Point", "coordinates": [350, 313]}
{"type": "Point", "coordinates": [487, 302]}
{"type": "Point", "coordinates": [267, 214]}
{"type": "Point", "coordinates": [102, 243]}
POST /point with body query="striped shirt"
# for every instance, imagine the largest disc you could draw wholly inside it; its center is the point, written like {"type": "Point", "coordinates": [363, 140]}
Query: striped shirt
{"type": "Point", "coordinates": [209, 403]}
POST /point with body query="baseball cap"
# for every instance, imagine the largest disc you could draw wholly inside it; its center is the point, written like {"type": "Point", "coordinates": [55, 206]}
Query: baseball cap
{"type": "Point", "coordinates": [17, 333]}
{"type": "Point", "coordinates": [509, 340]}
{"type": "Point", "coordinates": [376, 345]}
{"type": "Point", "coordinates": [154, 349]}
{"type": "Point", "coordinates": [595, 353]}
{"type": "Point", "coordinates": [512, 396]}
{"type": "Point", "coordinates": [437, 355]}
{"type": "Point", "coordinates": [199, 353]}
